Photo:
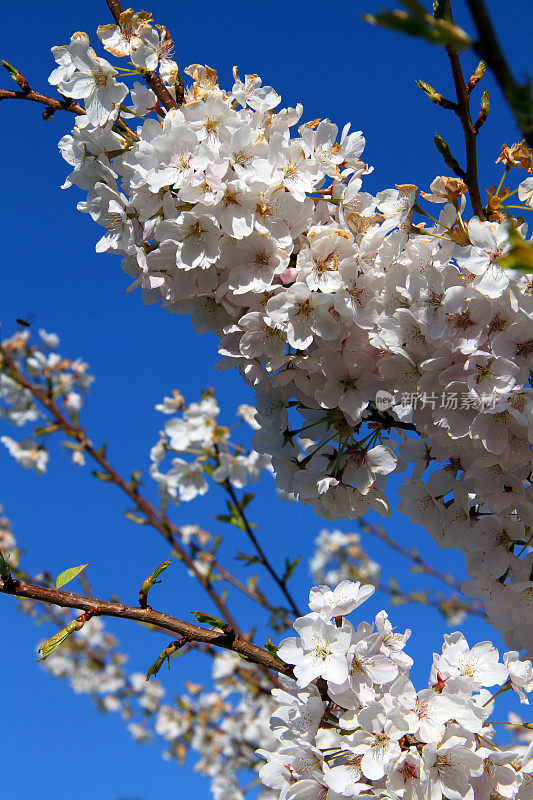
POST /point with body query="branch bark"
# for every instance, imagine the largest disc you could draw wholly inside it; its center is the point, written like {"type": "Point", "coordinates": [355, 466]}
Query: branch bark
{"type": "Point", "coordinates": [261, 553]}
{"type": "Point", "coordinates": [51, 103]}
{"type": "Point", "coordinates": [186, 630]}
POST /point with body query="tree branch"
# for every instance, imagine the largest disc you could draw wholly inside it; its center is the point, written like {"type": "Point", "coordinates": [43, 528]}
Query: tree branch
{"type": "Point", "coordinates": [151, 77]}
{"type": "Point", "coordinates": [155, 517]}
{"type": "Point", "coordinates": [462, 110]}
{"type": "Point", "coordinates": [260, 552]}
{"type": "Point", "coordinates": [52, 104]}
{"type": "Point", "coordinates": [103, 608]}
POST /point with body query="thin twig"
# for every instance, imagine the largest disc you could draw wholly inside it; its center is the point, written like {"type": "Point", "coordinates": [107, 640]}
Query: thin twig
{"type": "Point", "coordinates": [489, 49]}
{"type": "Point", "coordinates": [421, 565]}
{"type": "Point", "coordinates": [260, 552]}
{"type": "Point", "coordinates": [446, 605]}
{"type": "Point", "coordinates": [52, 103]}
{"type": "Point", "coordinates": [462, 110]}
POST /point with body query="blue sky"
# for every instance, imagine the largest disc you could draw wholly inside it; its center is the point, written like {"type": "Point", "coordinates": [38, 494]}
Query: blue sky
{"type": "Point", "coordinates": [325, 57]}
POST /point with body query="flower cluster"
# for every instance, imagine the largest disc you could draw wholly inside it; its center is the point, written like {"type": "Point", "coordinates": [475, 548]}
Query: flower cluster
{"type": "Point", "coordinates": [349, 319]}
{"type": "Point", "coordinates": [222, 725]}
{"type": "Point", "coordinates": [369, 733]}
{"type": "Point", "coordinates": [339, 556]}
{"type": "Point", "coordinates": [196, 431]}
{"type": "Point", "coordinates": [60, 379]}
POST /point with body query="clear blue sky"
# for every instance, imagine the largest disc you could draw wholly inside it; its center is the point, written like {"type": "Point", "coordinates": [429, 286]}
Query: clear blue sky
{"type": "Point", "coordinates": [54, 742]}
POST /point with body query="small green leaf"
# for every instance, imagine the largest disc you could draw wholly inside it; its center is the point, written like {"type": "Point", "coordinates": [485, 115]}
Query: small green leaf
{"type": "Point", "coordinates": [68, 575]}
{"type": "Point", "coordinates": [164, 655]}
{"type": "Point", "coordinates": [223, 518]}
{"type": "Point", "coordinates": [247, 559]}
{"type": "Point", "coordinates": [102, 476]}
{"type": "Point", "coordinates": [246, 500]}
{"type": "Point", "coordinates": [151, 580]}
{"type": "Point", "coordinates": [48, 647]}
{"type": "Point", "coordinates": [422, 25]}
{"type": "Point", "coordinates": [156, 666]}
{"type": "Point", "coordinates": [449, 160]}
{"type": "Point", "coordinates": [135, 518]}
{"type": "Point", "coordinates": [477, 76]}
{"type": "Point", "coordinates": [290, 566]}
{"type": "Point", "coordinates": [4, 567]}
{"type": "Point", "coordinates": [158, 570]}
{"type": "Point", "coordinates": [207, 619]}
{"type": "Point", "coordinates": [273, 650]}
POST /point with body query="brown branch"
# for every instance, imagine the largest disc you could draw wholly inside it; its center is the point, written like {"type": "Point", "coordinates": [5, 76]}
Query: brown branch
{"type": "Point", "coordinates": [51, 103]}
{"type": "Point", "coordinates": [103, 608]}
{"type": "Point", "coordinates": [489, 49]}
{"type": "Point", "coordinates": [155, 518]}
{"type": "Point", "coordinates": [151, 77]}
{"type": "Point", "coordinates": [165, 527]}
{"type": "Point", "coordinates": [462, 110]}
{"type": "Point", "coordinates": [446, 605]}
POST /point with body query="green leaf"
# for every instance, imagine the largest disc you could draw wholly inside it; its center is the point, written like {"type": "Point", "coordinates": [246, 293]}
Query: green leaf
{"type": "Point", "coordinates": [68, 575]}
{"type": "Point", "coordinates": [156, 666]}
{"type": "Point", "coordinates": [135, 518]}
{"type": "Point", "coordinates": [246, 500]}
{"type": "Point", "coordinates": [151, 580]}
{"type": "Point", "coordinates": [48, 647]}
{"type": "Point", "coordinates": [449, 160]}
{"type": "Point", "coordinates": [290, 566]}
{"type": "Point", "coordinates": [273, 650]}
{"type": "Point", "coordinates": [165, 655]}
{"type": "Point", "coordinates": [102, 476]}
{"type": "Point", "coordinates": [247, 559]}
{"type": "Point", "coordinates": [207, 619]}
{"type": "Point", "coordinates": [421, 24]}
{"type": "Point", "coordinates": [4, 567]}
{"type": "Point", "coordinates": [158, 570]}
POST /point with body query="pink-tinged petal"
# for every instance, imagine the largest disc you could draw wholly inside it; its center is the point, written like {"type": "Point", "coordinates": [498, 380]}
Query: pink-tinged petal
{"type": "Point", "coordinates": [289, 275]}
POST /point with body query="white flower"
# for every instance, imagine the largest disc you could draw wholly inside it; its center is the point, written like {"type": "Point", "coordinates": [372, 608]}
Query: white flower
{"type": "Point", "coordinates": [342, 600]}
{"type": "Point", "coordinates": [93, 80]}
{"type": "Point", "coordinates": [28, 454]}
{"type": "Point", "coordinates": [320, 651]}
{"type": "Point", "coordinates": [480, 665]}
{"type": "Point", "coordinates": [520, 674]}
